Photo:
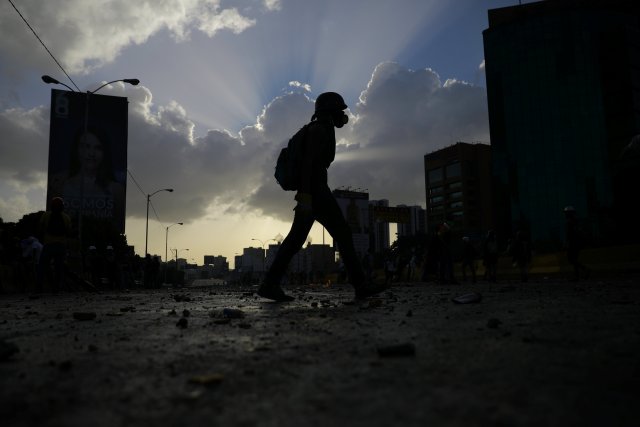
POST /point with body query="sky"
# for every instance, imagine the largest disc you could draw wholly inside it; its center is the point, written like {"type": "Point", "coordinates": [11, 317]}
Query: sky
{"type": "Point", "coordinates": [225, 84]}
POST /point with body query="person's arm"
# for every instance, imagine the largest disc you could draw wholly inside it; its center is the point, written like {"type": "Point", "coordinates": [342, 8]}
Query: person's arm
{"type": "Point", "coordinates": [310, 153]}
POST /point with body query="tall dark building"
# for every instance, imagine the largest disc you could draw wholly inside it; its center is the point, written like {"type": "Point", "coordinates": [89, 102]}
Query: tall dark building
{"type": "Point", "coordinates": [563, 87]}
{"type": "Point", "coordinates": [458, 184]}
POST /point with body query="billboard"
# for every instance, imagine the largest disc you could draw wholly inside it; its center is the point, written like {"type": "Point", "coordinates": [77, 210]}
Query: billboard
{"type": "Point", "coordinates": [88, 155]}
{"type": "Point", "coordinates": [401, 215]}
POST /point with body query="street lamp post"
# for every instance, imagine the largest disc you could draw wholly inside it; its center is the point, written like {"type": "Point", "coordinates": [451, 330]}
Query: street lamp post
{"type": "Point", "coordinates": [146, 235]}
{"type": "Point", "coordinates": [50, 80]}
{"type": "Point", "coordinates": [186, 249]}
{"type": "Point", "coordinates": [264, 255]}
{"type": "Point", "coordinates": [166, 241]}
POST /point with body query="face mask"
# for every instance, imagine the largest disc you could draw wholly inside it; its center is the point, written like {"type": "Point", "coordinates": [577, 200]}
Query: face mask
{"type": "Point", "coordinates": [340, 119]}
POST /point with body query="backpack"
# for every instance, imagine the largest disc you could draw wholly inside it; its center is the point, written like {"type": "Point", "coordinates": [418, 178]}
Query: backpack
{"type": "Point", "coordinates": [287, 171]}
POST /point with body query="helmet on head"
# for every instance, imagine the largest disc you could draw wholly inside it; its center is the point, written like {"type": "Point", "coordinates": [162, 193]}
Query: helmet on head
{"type": "Point", "coordinates": [330, 101]}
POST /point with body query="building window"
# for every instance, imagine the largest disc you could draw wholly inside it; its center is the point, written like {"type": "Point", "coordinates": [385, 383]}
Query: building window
{"type": "Point", "coordinates": [455, 185]}
{"type": "Point", "coordinates": [455, 205]}
{"type": "Point", "coordinates": [456, 195]}
{"type": "Point", "coordinates": [436, 199]}
{"type": "Point", "coordinates": [453, 170]}
{"type": "Point", "coordinates": [435, 190]}
{"type": "Point", "coordinates": [435, 175]}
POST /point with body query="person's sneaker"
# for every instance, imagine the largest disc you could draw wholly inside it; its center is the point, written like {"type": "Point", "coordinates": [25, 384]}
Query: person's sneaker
{"type": "Point", "coordinates": [369, 290]}
{"type": "Point", "coordinates": [274, 293]}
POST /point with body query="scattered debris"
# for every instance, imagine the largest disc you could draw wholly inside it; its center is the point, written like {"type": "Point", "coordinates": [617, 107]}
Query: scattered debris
{"type": "Point", "coordinates": [207, 379]}
{"type": "Point", "coordinates": [92, 348]}
{"type": "Point", "coordinates": [181, 298]}
{"type": "Point", "coordinates": [244, 325]}
{"type": "Point", "coordinates": [183, 323]}
{"type": "Point", "coordinates": [172, 313]}
{"type": "Point", "coordinates": [7, 349]}
{"type": "Point", "coordinates": [398, 350]}
{"type": "Point", "coordinates": [84, 315]}
{"type": "Point", "coordinates": [467, 298]}
{"type": "Point", "coordinates": [186, 313]}
{"type": "Point", "coordinates": [374, 303]}
{"type": "Point", "coordinates": [232, 313]}
{"type": "Point", "coordinates": [225, 321]}
{"type": "Point", "coordinates": [65, 366]}
{"type": "Point", "coordinates": [493, 323]}
{"type": "Point", "coordinates": [409, 313]}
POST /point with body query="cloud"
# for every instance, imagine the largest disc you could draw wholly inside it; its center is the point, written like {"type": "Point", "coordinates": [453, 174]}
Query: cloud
{"type": "Point", "coordinates": [297, 84]}
{"type": "Point", "coordinates": [401, 115]}
{"type": "Point", "coordinates": [85, 38]}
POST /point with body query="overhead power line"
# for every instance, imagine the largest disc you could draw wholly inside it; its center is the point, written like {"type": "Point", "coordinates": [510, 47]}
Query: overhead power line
{"type": "Point", "coordinates": [45, 46]}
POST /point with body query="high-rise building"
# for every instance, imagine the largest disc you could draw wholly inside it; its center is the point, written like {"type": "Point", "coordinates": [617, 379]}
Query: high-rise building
{"type": "Point", "coordinates": [379, 229]}
{"type": "Point", "coordinates": [458, 186]}
{"type": "Point", "coordinates": [563, 89]}
{"type": "Point", "coordinates": [218, 264]}
{"type": "Point", "coordinates": [355, 208]}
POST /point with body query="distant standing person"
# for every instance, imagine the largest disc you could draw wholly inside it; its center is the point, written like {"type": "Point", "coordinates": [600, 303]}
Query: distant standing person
{"type": "Point", "coordinates": [445, 265]}
{"type": "Point", "coordinates": [55, 227]}
{"type": "Point", "coordinates": [521, 253]}
{"type": "Point", "coordinates": [316, 203]}
{"type": "Point", "coordinates": [490, 256]}
{"type": "Point", "coordinates": [575, 241]}
{"type": "Point", "coordinates": [469, 254]}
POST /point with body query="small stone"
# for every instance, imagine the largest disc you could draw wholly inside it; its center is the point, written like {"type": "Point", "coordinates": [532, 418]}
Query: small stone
{"type": "Point", "coordinates": [232, 313]}
{"type": "Point", "coordinates": [374, 303]}
{"type": "Point", "coordinates": [172, 313]}
{"type": "Point", "coordinates": [186, 313]}
{"type": "Point", "coordinates": [493, 323]}
{"type": "Point", "coordinates": [92, 348]}
{"type": "Point", "coordinates": [207, 379]}
{"type": "Point", "coordinates": [244, 325]}
{"type": "Point", "coordinates": [409, 313]}
{"type": "Point", "coordinates": [468, 298]}
{"type": "Point", "coordinates": [65, 366]}
{"type": "Point", "coordinates": [84, 316]}
{"type": "Point", "coordinates": [7, 349]}
{"type": "Point", "coordinates": [398, 350]}
{"type": "Point", "coordinates": [183, 323]}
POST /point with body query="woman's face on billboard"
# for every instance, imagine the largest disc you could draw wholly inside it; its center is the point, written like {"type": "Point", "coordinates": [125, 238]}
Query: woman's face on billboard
{"type": "Point", "coordinates": [90, 152]}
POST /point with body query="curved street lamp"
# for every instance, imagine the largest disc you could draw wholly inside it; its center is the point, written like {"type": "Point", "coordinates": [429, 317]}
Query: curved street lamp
{"type": "Point", "coordinates": [146, 235]}
{"type": "Point", "coordinates": [166, 240]}
{"type": "Point", "coordinates": [177, 250]}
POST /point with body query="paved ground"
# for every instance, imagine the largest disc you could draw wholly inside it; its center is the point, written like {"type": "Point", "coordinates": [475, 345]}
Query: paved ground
{"type": "Point", "coordinates": [542, 353]}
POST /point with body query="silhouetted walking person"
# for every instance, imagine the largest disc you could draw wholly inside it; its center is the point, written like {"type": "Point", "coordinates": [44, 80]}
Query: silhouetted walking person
{"type": "Point", "coordinates": [316, 203]}
{"type": "Point", "coordinates": [445, 264]}
{"type": "Point", "coordinates": [469, 254]}
{"type": "Point", "coordinates": [490, 256]}
{"type": "Point", "coordinates": [521, 253]}
{"type": "Point", "coordinates": [55, 225]}
{"type": "Point", "coordinates": [575, 241]}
